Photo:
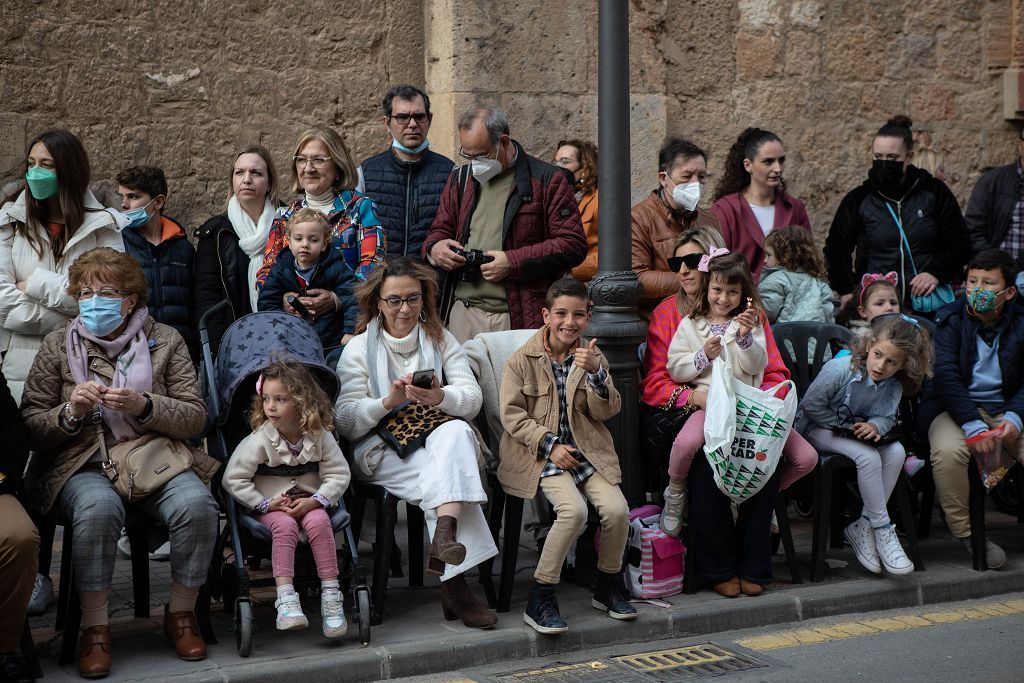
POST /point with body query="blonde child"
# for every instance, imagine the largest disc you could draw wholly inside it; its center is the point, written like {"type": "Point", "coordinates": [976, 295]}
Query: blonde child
{"type": "Point", "coordinates": [793, 284]}
{"type": "Point", "coordinates": [859, 394]}
{"type": "Point", "coordinates": [288, 472]}
{"type": "Point", "coordinates": [727, 311]}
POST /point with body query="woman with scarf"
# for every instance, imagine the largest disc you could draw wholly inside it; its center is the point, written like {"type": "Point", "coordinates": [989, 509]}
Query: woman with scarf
{"type": "Point", "coordinates": [115, 373]}
{"type": "Point", "coordinates": [400, 333]}
{"type": "Point", "coordinates": [325, 176]}
{"type": "Point", "coordinates": [901, 219]}
{"type": "Point", "coordinates": [229, 252]}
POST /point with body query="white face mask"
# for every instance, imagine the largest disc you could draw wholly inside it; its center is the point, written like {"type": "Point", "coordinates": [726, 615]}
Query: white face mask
{"type": "Point", "coordinates": [687, 195]}
{"type": "Point", "coordinates": [485, 169]}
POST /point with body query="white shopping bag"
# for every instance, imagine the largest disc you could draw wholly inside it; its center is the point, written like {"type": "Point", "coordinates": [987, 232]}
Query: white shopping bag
{"type": "Point", "coordinates": [744, 430]}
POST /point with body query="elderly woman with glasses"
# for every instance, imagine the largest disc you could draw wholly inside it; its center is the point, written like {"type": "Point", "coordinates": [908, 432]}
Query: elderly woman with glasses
{"type": "Point", "coordinates": [325, 176]}
{"type": "Point", "coordinates": [404, 363]}
{"type": "Point", "coordinates": [114, 373]}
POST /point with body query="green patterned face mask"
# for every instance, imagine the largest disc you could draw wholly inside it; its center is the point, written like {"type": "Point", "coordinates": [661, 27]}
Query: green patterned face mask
{"type": "Point", "coordinates": [42, 182]}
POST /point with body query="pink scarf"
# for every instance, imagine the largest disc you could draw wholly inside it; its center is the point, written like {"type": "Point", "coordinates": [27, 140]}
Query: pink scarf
{"type": "Point", "coordinates": [133, 367]}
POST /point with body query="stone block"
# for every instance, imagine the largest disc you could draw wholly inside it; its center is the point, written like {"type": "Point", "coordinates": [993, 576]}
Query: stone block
{"type": "Point", "coordinates": [802, 57]}
{"type": "Point", "coordinates": [911, 57]}
{"type": "Point", "coordinates": [758, 55]}
{"type": "Point", "coordinates": [932, 102]}
{"type": "Point", "coordinates": [760, 13]}
{"type": "Point", "coordinates": [855, 53]}
{"type": "Point", "coordinates": [958, 54]}
{"type": "Point", "coordinates": [806, 13]}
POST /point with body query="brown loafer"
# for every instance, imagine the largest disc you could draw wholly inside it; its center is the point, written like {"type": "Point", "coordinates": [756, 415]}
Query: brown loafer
{"type": "Point", "coordinates": [94, 652]}
{"type": "Point", "coordinates": [729, 588]}
{"type": "Point", "coordinates": [750, 588]}
{"type": "Point", "coordinates": [183, 632]}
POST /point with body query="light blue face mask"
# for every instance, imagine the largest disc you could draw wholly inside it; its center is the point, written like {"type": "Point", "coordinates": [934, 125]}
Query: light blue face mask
{"type": "Point", "coordinates": [410, 150]}
{"type": "Point", "coordinates": [138, 216]}
{"type": "Point", "coordinates": [101, 315]}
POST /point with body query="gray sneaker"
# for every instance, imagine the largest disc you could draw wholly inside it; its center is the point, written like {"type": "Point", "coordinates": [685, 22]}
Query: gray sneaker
{"type": "Point", "coordinates": [995, 558]}
{"type": "Point", "coordinates": [672, 514]}
{"type": "Point", "coordinates": [42, 595]}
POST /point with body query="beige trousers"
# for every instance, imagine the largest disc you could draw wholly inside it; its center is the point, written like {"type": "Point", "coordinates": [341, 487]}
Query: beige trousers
{"type": "Point", "coordinates": [465, 322]}
{"type": "Point", "coordinates": [19, 554]}
{"type": "Point", "coordinates": [571, 516]}
{"type": "Point", "coordinates": [950, 457]}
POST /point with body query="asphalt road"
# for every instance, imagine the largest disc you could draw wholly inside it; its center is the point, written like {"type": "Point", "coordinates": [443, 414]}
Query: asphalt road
{"type": "Point", "coordinates": [977, 640]}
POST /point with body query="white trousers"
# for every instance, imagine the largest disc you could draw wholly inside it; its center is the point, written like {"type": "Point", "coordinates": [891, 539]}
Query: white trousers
{"type": "Point", "coordinates": [445, 470]}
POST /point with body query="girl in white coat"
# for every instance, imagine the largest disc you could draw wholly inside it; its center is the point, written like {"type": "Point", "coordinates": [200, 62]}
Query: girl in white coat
{"type": "Point", "coordinates": [49, 225]}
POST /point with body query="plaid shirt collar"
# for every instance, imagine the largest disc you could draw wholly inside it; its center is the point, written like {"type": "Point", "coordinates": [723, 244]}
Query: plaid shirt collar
{"type": "Point", "coordinates": [551, 354]}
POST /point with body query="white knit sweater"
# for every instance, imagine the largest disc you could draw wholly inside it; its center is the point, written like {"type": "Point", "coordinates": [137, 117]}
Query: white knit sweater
{"type": "Point", "coordinates": [357, 412]}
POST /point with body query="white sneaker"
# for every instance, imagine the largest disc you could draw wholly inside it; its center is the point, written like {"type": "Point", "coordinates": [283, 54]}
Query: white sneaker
{"type": "Point", "coordinates": [332, 609]}
{"type": "Point", "coordinates": [289, 612]}
{"type": "Point", "coordinates": [890, 552]}
{"type": "Point", "coordinates": [859, 536]}
{"type": "Point", "coordinates": [672, 513]}
{"type": "Point", "coordinates": [42, 595]}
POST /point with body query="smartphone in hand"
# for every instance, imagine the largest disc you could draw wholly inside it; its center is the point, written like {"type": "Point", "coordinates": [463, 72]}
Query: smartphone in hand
{"type": "Point", "coordinates": [424, 379]}
{"type": "Point", "coordinates": [294, 302]}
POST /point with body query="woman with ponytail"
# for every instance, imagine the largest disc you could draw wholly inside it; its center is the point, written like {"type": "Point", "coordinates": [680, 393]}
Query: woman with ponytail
{"type": "Point", "coordinates": [751, 198]}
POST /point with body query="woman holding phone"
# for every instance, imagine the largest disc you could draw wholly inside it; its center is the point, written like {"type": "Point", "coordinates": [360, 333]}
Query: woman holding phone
{"type": "Point", "coordinates": [402, 361]}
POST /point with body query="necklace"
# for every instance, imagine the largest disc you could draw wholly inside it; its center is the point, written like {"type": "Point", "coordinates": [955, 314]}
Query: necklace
{"type": "Point", "coordinates": [404, 356]}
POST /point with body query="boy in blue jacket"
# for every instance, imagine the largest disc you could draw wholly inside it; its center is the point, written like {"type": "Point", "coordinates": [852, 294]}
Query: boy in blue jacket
{"type": "Point", "coordinates": [310, 263]}
{"type": "Point", "coordinates": [979, 385]}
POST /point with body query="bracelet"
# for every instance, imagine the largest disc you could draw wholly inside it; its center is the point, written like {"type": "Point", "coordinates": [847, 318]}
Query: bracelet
{"type": "Point", "coordinates": [67, 421]}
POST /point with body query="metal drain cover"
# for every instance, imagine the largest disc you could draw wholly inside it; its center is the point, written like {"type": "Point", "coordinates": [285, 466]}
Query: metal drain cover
{"type": "Point", "coordinates": [594, 671]}
{"type": "Point", "coordinates": [686, 663]}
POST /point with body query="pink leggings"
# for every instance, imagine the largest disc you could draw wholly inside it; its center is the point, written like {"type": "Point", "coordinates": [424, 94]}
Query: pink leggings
{"type": "Point", "coordinates": [285, 532]}
{"type": "Point", "coordinates": [799, 457]}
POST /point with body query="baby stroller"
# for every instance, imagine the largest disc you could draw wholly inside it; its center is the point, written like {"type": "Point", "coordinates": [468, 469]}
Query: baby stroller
{"type": "Point", "coordinates": [245, 349]}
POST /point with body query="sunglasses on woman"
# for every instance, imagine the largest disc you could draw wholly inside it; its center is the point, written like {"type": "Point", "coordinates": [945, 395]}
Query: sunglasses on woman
{"type": "Point", "coordinates": [691, 261]}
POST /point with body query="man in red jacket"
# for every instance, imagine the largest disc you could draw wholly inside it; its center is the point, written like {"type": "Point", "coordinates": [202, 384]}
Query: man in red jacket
{"type": "Point", "coordinates": [507, 227]}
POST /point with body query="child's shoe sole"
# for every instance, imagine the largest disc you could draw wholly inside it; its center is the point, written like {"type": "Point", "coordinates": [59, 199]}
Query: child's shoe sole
{"type": "Point", "coordinates": [548, 630]}
{"type": "Point", "coordinates": [330, 634]}
{"type": "Point", "coordinates": [864, 561]}
{"type": "Point", "coordinates": [296, 625]}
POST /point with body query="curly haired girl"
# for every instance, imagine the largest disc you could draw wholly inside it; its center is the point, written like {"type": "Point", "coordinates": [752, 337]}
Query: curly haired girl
{"type": "Point", "coordinates": [288, 472]}
{"type": "Point", "coordinates": [850, 409]}
{"type": "Point", "coordinates": [793, 283]}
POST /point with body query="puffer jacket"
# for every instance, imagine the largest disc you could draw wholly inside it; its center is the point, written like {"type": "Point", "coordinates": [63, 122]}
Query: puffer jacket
{"type": "Point", "coordinates": [222, 273]}
{"type": "Point", "coordinates": [542, 234]}
{"type": "Point", "coordinates": [932, 222]}
{"type": "Point", "coordinates": [530, 410]}
{"type": "Point", "coordinates": [406, 194]}
{"type": "Point", "coordinates": [26, 317]}
{"type": "Point", "coordinates": [990, 210]}
{"type": "Point", "coordinates": [170, 271]}
{"type": "Point", "coordinates": [178, 409]}
{"type": "Point", "coordinates": [792, 296]}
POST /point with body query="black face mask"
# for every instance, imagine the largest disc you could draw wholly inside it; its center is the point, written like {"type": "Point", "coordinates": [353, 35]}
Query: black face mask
{"type": "Point", "coordinates": [887, 172]}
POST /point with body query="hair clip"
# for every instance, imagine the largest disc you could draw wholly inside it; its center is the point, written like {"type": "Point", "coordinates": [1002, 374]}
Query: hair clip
{"type": "Point", "coordinates": [259, 385]}
{"type": "Point", "coordinates": [705, 261]}
{"type": "Point", "coordinates": [869, 279]}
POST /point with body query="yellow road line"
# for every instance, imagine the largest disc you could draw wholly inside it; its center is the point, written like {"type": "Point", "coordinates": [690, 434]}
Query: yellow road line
{"type": "Point", "coordinates": [853, 629]}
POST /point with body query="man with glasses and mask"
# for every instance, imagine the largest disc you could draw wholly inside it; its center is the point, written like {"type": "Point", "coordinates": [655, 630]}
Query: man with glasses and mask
{"type": "Point", "coordinates": [995, 213]}
{"type": "Point", "coordinates": [507, 227]}
{"type": "Point", "coordinates": [663, 215]}
{"type": "Point", "coordinates": [405, 181]}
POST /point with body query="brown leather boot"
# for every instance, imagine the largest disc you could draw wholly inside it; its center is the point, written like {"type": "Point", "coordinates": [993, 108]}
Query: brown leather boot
{"type": "Point", "coordinates": [94, 652]}
{"type": "Point", "coordinates": [444, 548]}
{"type": "Point", "coordinates": [183, 632]}
{"type": "Point", "coordinates": [458, 602]}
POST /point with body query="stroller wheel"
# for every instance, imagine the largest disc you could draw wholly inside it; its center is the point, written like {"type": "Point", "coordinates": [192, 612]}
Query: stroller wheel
{"type": "Point", "coordinates": [363, 613]}
{"type": "Point", "coordinates": [243, 627]}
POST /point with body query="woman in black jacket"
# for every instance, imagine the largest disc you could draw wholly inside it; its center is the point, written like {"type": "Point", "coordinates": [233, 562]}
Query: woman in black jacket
{"type": "Point", "coordinates": [897, 198]}
{"type": "Point", "coordinates": [229, 251]}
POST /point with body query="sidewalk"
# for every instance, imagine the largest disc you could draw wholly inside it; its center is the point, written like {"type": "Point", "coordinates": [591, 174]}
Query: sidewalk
{"type": "Point", "coordinates": [415, 640]}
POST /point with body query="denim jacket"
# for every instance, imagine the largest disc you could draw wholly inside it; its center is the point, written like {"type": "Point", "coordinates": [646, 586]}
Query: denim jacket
{"type": "Point", "coordinates": [837, 385]}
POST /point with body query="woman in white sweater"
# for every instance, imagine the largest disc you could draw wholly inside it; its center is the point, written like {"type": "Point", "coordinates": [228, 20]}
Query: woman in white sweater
{"type": "Point", "coordinates": [42, 232]}
{"type": "Point", "coordinates": [401, 336]}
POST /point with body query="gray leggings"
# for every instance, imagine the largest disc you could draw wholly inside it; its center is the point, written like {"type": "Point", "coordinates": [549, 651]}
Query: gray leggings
{"type": "Point", "coordinates": [878, 468]}
{"type": "Point", "coordinates": [96, 512]}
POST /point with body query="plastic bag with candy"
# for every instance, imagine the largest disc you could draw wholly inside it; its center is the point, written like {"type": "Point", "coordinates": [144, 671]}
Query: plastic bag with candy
{"type": "Point", "coordinates": [993, 466]}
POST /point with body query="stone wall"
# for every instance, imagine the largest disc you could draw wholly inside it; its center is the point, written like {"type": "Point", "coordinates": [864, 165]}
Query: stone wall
{"type": "Point", "coordinates": [185, 84]}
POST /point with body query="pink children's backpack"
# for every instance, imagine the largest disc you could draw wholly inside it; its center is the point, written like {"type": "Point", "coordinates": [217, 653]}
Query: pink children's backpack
{"type": "Point", "coordinates": [654, 560]}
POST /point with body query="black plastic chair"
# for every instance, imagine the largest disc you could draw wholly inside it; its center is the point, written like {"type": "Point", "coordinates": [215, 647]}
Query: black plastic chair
{"type": "Point", "coordinates": [793, 340]}
{"type": "Point", "coordinates": [28, 652]}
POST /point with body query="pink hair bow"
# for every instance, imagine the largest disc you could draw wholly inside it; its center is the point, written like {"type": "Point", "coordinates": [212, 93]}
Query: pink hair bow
{"type": "Point", "coordinates": [259, 385]}
{"type": "Point", "coordinates": [705, 261]}
{"type": "Point", "coordinates": [870, 278]}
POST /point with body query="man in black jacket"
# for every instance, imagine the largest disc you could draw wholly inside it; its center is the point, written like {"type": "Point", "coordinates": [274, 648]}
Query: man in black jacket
{"type": "Point", "coordinates": [161, 247]}
{"type": "Point", "coordinates": [995, 213]}
{"type": "Point", "coordinates": [19, 541]}
{"type": "Point", "coordinates": [405, 181]}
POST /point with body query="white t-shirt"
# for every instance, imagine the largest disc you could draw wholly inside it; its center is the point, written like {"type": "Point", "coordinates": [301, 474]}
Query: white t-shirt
{"type": "Point", "coordinates": [765, 216]}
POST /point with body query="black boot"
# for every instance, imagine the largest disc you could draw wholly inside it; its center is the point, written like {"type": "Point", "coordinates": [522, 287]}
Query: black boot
{"type": "Point", "coordinates": [611, 596]}
{"type": "Point", "coordinates": [542, 610]}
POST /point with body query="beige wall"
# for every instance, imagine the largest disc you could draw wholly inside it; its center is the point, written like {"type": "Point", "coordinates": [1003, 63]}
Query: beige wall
{"type": "Point", "coordinates": [185, 84]}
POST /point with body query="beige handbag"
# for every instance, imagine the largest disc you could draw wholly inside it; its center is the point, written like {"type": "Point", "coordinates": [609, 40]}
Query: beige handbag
{"type": "Point", "coordinates": [140, 467]}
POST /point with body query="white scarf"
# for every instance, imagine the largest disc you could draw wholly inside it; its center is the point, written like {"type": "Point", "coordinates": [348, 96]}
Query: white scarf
{"type": "Point", "coordinates": [252, 238]}
{"type": "Point", "coordinates": [378, 359]}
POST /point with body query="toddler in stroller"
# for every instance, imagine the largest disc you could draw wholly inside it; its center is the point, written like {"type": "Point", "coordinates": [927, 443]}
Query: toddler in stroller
{"type": "Point", "coordinates": [288, 472]}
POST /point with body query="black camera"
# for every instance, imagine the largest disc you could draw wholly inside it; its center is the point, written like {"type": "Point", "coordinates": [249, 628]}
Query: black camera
{"type": "Point", "coordinates": [475, 258]}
